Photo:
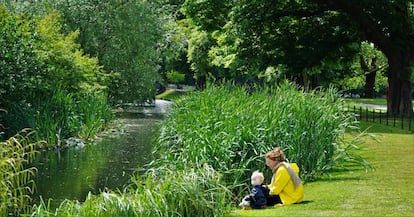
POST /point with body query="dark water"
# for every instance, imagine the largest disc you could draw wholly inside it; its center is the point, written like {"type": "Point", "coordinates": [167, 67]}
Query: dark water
{"type": "Point", "coordinates": [109, 163]}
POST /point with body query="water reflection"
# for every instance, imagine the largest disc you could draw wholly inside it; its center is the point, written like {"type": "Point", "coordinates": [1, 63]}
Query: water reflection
{"type": "Point", "coordinates": [74, 172]}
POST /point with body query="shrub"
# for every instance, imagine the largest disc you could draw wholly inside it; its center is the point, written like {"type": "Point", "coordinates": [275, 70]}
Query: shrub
{"type": "Point", "coordinates": [21, 66]}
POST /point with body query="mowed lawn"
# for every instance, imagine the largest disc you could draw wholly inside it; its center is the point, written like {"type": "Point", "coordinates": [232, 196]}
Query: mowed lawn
{"type": "Point", "coordinates": [388, 190]}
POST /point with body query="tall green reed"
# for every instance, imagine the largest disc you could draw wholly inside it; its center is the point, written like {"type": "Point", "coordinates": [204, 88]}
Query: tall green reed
{"type": "Point", "coordinates": [15, 179]}
{"type": "Point", "coordinates": [61, 115]}
{"type": "Point", "coordinates": [231, 129]}
{"type": "Point", "coordinates": [94, 112]}
{"type": "Point", "coordinates": [193, 192]}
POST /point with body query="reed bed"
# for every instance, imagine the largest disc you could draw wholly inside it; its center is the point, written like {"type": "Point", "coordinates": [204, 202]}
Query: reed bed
{"type": "Point", "coordinates": [231, 129]}
{"type": "Point", "coordinates": [60, 116]}
{"type": "Point", "coordinates": [195, 192]}
{"type": "Point", "coordinates": [15, 179]}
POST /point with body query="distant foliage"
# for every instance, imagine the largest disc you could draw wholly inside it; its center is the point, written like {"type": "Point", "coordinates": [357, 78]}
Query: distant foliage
{"type": "Point", "coordinates": [231, 129]}
{"type": "Point", "coordinates": [124, 36]}
{"type": "Point", "coordinates": [68, 68]}
{"type": "Point", "coordinates": [48, 83]}
{"type": "Point", "coordinates": [175, 76]}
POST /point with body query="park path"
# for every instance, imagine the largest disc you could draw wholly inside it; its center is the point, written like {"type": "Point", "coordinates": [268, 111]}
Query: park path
{"type": "Point", "coordinates": [373, 106]}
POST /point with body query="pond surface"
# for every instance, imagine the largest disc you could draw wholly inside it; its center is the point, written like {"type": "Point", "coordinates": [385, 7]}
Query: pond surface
{"type": "Point", "coordinates": [109, 163]}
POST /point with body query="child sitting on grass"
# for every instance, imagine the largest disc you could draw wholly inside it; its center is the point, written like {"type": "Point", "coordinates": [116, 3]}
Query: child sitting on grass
{"type": "Point", "coordinates": [257, 197]}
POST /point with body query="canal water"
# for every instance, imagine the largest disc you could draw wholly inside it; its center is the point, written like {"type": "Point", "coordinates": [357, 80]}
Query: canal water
{"type": "Point", "coordinates": [106, 164]}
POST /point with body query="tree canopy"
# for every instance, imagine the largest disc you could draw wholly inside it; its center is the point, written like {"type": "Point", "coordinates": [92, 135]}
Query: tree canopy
{"type": "Point", "coordinates": [124, 36]}
{"type": "Point", "coordinates": [310, 41]}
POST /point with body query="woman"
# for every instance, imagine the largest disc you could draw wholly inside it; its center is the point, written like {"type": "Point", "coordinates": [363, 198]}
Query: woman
{"type": "Point", "coordinates": [286, 186]}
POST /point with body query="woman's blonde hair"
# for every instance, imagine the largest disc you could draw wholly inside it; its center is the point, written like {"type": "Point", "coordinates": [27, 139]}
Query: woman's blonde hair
{"type": "Point", "coordinates": [276, 155]}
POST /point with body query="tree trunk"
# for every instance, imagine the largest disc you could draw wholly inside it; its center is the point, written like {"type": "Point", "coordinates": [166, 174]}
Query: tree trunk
{"type": "Point", "coordinates": [400, 101]}
{"type": "Point", "coordinates": [370, 84]}
{"type": "Point", "coordinates": [370, 75]}
{"type": "Point", "coordinates": [201, 82]}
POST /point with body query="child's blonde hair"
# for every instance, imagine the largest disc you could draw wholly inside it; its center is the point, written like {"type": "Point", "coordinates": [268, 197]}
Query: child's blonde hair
{"type": "Point", "coordinates": [257, 174]}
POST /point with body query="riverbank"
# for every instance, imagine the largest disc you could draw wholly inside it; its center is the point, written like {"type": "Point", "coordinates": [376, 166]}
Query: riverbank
{"type": "Point", "coordinates": [385, 191]}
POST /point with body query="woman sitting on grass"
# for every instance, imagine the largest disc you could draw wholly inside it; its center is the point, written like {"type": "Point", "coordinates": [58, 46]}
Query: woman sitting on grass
{"type": "Point", "coordinates": [286, 186]}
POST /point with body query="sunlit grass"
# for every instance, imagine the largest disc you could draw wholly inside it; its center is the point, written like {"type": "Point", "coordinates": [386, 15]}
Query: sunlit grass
{"type": "Point", "coordinates": [173, 94]}
{"type": "Point", "coordinates": [374, 101]}
{"type": "Point", "coordinates": [385, 191]}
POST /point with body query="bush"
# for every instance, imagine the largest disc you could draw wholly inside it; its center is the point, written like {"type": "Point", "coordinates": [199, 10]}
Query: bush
{"type": "Point", "coordinates": [21, 66]}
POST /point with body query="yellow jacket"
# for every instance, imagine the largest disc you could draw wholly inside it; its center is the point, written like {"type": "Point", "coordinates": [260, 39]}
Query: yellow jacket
{"type": "Point", "coordinates": [283, 186]}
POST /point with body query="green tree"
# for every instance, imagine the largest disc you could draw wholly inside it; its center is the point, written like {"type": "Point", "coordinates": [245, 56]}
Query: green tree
{"type": "Point", "coordinates": [210, 15]}
{"type": "Point", "coordinates": [373, 64]}
{"type": "Point", "coordinates": [366, 74]}
{"type": "Point", "coordinates": [198, 47]}
{"type": "Point", "coordinates": [304, 34]}
{"type": "Point", "coordinates": [204, 17]}
{"type": "Point", "coordinates": [175, 77]}
{"type": "Point", "coordinates": [125, 36]}
{"type": "Point", "coordinates": [21, 67]}
{"type": "Point", "coordinates": [175, 46]}
{"type": "Point", "coordinates": [68, 68]}
{"type": "Point", "coordinates": [45, 75]}
{"type": "Point", "coordinates": [390, 26]}
{"type": "Point", "coordinates": [307, 35]}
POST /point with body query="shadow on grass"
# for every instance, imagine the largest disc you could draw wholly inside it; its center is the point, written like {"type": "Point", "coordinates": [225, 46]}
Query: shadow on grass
{"type": "Point", "coordinates": [304, 202]}
{"type": "Point", "coordinates": [341, 178]}
{"type": "Point", "coordinates": [371, 127]}
{"type": "Point", "coordinates": [354, 173]}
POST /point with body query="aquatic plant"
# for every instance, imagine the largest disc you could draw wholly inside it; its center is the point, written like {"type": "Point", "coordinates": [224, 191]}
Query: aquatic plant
{"type": "Point", "coordinates": [15, 179]}
{"type": "Point", "coordinates": [94, 114]}
{"type": "Point", "coordinates": [61, 115]}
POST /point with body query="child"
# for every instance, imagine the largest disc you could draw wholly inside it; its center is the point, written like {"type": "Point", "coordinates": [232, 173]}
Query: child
{"type": "Point", "coordinates": [257, 197]}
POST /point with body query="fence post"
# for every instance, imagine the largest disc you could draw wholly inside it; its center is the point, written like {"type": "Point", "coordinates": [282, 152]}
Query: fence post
{"type": "Point", "coordinates": [355, 114]}
{"type": "Point", "coordinates": [387, 116]}
{"type": "Point", "coordinates": [402, 121]}
{"type": "Point", "coordinates": [380, 115]}
{"type": "Point", "coordinates": [373, 115]}
{"type": "Point", "coordinates": [393, 119]}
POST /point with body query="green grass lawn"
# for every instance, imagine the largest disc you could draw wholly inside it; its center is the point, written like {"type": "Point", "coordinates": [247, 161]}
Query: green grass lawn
{"type": "Point", "coordinates": [174, 94]}
{"type": "Point", "coordinates": [386, 191]}
{"type": "Point", "coordinates": [376, 101]}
